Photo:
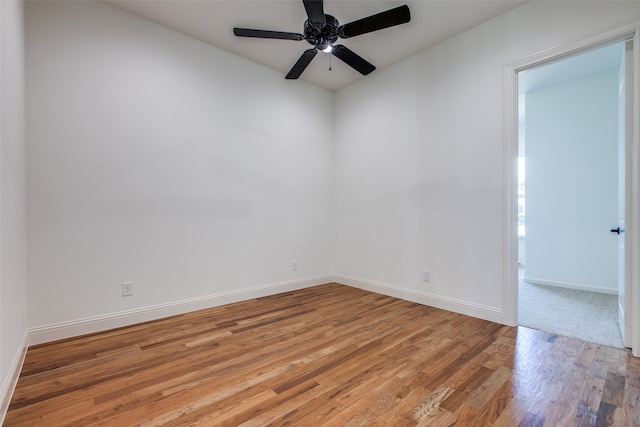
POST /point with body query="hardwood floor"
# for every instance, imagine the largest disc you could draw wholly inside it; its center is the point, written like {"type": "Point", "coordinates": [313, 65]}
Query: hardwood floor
{"type": "Point", "coordinates": [328, 355]}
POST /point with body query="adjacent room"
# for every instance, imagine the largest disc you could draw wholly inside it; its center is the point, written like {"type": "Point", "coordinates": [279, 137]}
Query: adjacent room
{"type": "Point", "coordinates": [147, 171]}
{"type": "Point", "coordinates": [571, 194]}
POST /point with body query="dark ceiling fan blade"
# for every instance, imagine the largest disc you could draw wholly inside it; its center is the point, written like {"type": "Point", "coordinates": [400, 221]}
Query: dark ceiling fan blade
{"type": "Point", "coordinates": [266, 34]}
{"type": "Point", "coordinates": [389, 18]}
{"type": "Point", "coordinates": [315, 12]}
{"type": "Point", "coordinates": [354, 60]}
{"type": "Point", "coordinates": [302, 63]}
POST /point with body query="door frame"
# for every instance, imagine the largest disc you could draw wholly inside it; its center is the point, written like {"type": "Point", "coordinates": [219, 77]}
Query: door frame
{"type": "Point", "coordinates": [510, 298]}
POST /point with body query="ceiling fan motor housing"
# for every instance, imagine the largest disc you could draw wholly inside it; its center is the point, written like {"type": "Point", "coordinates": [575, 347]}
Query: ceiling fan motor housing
{"type": "Point", "coordinates": [322, 37]}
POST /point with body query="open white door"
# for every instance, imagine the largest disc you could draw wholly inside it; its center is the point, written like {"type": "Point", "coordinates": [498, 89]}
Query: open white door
{"type": "Point", "coordinates": [624, 192]}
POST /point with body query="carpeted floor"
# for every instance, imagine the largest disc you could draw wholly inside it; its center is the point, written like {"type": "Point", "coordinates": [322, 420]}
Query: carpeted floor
{"type": "Point", "coordinates": [589, 316]}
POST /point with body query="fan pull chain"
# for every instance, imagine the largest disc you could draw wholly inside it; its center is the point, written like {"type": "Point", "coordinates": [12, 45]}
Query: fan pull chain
{"type": "Point", "coordinates": [330, 55]}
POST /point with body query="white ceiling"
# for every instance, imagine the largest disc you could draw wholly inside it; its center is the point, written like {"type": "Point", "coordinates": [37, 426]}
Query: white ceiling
{"type": "Point", "coordinates": [572, 67]}
{"type": "Point", "coordinates": [212, 21]}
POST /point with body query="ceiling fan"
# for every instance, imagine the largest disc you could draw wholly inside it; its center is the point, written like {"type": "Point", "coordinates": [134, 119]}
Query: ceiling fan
{"type": "Point", "coordinates": [322, 31]}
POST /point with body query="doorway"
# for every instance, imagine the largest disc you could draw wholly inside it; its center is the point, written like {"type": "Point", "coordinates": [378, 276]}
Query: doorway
{"type": "Point", "coordinates": [568, 195]}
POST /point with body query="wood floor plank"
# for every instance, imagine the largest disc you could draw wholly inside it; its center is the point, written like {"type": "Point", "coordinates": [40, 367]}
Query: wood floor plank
{"type": "Point", "coordinates": [431, 404]}
{"type": "Point", "coordinates": [495, 406]}
{"type": "Point", "coordinates": [328, 355]}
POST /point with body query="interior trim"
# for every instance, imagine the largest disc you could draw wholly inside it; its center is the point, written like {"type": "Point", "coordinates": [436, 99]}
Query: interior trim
{"type": "Point", "coordinates": [567, 285]}
{"type": "Point", "coordinates": [467, 308]}
{"type": "Point", "coordinates": [12, 377]}
{"type": "Point", "coordinates": [62, 330]}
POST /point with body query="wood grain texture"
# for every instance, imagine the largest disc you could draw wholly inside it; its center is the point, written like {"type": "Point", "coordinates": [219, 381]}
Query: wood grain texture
{"type": "Point", "coordinates": [327, 355]}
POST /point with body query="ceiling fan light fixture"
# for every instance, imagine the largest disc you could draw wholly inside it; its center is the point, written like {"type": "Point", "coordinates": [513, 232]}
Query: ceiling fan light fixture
{"type": "Point", "coordinates": [322, 30]}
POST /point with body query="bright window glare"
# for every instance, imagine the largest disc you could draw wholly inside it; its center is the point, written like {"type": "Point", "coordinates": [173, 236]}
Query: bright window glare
{"type": "Point", "coordinates": [521, 196]}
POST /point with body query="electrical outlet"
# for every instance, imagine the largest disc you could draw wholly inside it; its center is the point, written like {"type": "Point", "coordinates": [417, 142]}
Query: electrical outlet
{"type": "Point", "coordinates": [127, 289]}
{"type": "Point", "coordinates": [426, 276]}
{"type": "Point", "coordinates": [294, 265]}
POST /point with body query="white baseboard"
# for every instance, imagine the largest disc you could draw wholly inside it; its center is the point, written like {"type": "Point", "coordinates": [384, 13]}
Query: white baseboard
{"type": "Point", "coordinates": [450, 304]}
{"type": "Point", "coordinates": [57, 331]}
{"type": "Point", "coordinates": [9, 385]}
{"type": "Point", "coordinates": [576, 286]}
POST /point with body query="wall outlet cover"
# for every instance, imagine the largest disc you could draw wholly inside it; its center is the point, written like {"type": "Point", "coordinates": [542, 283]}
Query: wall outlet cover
{"type": "Point", "coordinates": [127, 289]}
{"type": "Point", "coordinates": [426, 276]}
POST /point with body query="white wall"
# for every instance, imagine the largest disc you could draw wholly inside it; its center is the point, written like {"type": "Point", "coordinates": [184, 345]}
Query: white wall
{"type": "Point", "coordinates": [13, 317]}
{"type": "Point", "coordinates": [157, 159]}
{"type": "Point", "coordinates": [161, 160]}
{"type": "Point", "coordinates": [420, 160]}
{"type": "Point", "coordinates": [572, 184]}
